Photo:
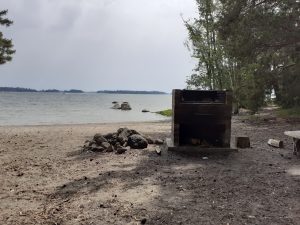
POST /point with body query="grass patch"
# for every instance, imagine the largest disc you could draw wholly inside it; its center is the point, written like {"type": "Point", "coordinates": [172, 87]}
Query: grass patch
{"type": "Point", "coordinates": [289, 113]}
{"type": "Point", "coordinates": [167, 112]}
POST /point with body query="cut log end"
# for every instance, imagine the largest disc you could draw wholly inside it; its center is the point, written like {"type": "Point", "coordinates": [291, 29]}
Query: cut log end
{"type": "Point", "coordinates": [242, 142]}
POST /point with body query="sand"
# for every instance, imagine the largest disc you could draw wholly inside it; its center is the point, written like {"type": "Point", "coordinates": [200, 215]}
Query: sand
{"type": "Point", "coordinates": [45, 178]}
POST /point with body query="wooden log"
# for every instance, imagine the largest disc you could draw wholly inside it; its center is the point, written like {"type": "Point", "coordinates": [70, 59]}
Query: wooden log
{"type": "Point", "coordinates": [275, 143]}
{"type": "Point", "coordinates": [242, 142]}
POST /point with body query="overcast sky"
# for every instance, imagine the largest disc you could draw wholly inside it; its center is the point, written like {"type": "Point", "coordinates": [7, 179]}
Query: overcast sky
{"type": "Point", "coordinates": [98, 44]}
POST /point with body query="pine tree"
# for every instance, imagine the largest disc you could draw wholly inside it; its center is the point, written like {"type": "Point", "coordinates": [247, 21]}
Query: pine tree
{"type": "Point", "coordinates": [6, 45]}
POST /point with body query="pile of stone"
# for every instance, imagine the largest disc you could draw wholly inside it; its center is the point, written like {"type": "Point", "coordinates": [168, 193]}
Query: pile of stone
{"type": "Point", "coordinates": [119, 142]}
{"type": "Point", "coordinates": [123, 106]}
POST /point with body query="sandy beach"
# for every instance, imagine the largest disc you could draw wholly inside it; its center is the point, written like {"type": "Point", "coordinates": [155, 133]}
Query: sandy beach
{"type": "Point", "coordinates": [46, 179]}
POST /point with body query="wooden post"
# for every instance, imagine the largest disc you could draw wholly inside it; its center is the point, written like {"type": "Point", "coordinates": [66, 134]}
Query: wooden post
{"type": "Point", "coordinates": [242, 142]}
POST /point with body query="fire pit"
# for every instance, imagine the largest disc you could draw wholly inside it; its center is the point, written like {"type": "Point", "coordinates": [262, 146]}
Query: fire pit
{"type": "Point", "coordinates": [201, 121]}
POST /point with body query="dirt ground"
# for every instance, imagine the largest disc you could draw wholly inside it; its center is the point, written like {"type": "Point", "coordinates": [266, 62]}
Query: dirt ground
{"type": "Point", "coordinates": [46, 179]}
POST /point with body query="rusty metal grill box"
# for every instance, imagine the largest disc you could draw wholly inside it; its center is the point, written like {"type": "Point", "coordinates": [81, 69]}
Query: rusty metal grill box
{"type": "Point", "coordinates": [201, 118]}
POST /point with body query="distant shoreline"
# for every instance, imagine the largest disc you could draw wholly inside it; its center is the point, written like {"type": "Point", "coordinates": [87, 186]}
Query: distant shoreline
{"type": "Point", "coordinates": [132, 92]}
{"type": "Point", "coordinates": [75, 91]}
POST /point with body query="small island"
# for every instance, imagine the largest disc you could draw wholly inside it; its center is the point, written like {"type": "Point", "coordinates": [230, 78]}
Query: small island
{"type": "Point", "coordinates": [19, 89]}
{"type": "Point", "coordinates": [51, 91]}
{"type": "Point", "coordinates": [131, 92]}
{"type": "Point", "coordinates": [16, 89]}
{"type": "Point", "coordinates": [74, 91]}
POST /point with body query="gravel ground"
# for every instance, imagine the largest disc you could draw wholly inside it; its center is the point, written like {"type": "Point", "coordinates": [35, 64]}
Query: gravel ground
{"type": "Point", "coordinates": [46, 179]}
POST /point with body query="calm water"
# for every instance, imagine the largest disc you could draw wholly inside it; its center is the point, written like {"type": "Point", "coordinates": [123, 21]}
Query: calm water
{"type": "Point", "coordinates": [59, 108]}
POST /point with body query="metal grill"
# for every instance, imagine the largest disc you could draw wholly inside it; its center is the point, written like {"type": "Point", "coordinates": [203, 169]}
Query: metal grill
{"type": "Point", "coordinates": [201, 119]}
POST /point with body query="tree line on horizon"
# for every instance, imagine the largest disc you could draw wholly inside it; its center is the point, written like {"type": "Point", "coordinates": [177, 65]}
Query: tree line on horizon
{"type": "Point", "coordinates": [251, 47]}
{"type": "Point", "coordinates": [20, 89]}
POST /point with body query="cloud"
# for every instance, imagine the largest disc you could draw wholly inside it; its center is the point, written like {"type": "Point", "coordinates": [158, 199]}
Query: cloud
{"type": "Point", "coordinates": [92, 44]}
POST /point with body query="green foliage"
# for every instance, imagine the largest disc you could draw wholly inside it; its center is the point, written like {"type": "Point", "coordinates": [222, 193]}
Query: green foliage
{"type": "Point", "coordinates": [257, 50]}
{"type": "Point", "coordinates": [6, 45]}
{"type": "Point", "coordinates": [167, 112]}
{"type": "Point", "coordinates": [206, 48]}
{"type": "Point", "coordinates": [289, 113]}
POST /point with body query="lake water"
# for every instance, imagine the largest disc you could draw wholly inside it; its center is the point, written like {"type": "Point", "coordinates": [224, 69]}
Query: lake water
{"type": "Point", "coordinates": [59, 108]}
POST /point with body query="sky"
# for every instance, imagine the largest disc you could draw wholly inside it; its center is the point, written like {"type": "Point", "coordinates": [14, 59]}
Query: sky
{"type": "Point", "coordinates": [98, 44]}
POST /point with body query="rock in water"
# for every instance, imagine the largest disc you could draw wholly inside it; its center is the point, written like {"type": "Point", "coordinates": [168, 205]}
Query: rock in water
{"type": "Point", "coordinates": [125, 106]}
{"type": "Point", "coordinates": [145, 110]}
{"type": "Point", "coordinates": [116, 106]}
{"type": "Point", "coordinates": [136, 141]}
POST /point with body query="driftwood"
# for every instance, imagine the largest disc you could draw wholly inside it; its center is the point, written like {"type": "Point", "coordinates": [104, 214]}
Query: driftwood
{"type": "Point", "coordinates": [242, 142]}
{"type": "Point", "coordinates": [275, 143]}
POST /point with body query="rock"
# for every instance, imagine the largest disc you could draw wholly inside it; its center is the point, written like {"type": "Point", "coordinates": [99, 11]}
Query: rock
{"type": "Point", "coordinates": [108, 136]}
{"type": "Point", "coordinates": [121, 150]}
{"type": "Point", "coordinates": [110, 149]}
{"type": "Point", "coordinates": [136, 141]}
{"type": "Point", "coordinates": [111, 138]}
{"type": "Point", "coordinates": [105, 145]}
{"type": "Point", "coordinates": [134, 132]}
{"type": "Point", "coordinates": [158, 150]}
{"type": "Point", "coordinates": [90, 143]}
{"type": "Point", "coordinates": [143, 221]}
{"type": "Point", "coordinates": [20, 174]}
{"type": "Point", "coordinates": [159, 142]}
{"type": "Point", "coordinates": [96, 148]}
{"type": "Point", "coordinates": [113, 141]}
{"type": "Point", "coordinates": [116, 106]}
{"type": "Point", "coordinates": [123, 135]}
{"type": "Point", "coordinates": [125, 106]}
{"type": "Point", "coordinates": [86, 145]}
{"type": "Point", "coordinates": [145, 110]}
{"type": "Point", "coordinates": [149, 140]}
{"type": "Point", "coordinates": [98, 138]}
